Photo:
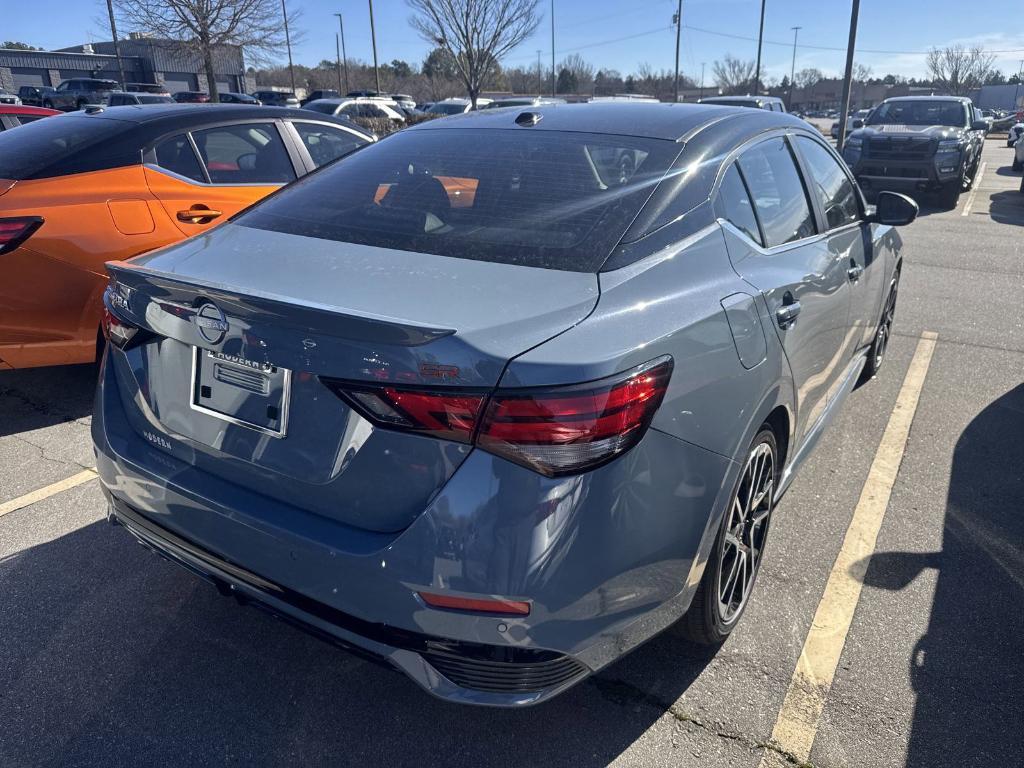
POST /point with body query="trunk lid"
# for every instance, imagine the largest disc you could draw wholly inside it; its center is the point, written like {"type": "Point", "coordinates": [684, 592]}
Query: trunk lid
{"type": "Point", "coordinates": [238, 310]}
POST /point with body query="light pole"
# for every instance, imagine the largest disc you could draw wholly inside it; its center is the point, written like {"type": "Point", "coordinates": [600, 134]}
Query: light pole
{"type": "Point", "coordinates": [288, 43]}
{"type": "Point", "coordinates": [552, 47]}
{"type": "Point", "coordinates": [344, 55]}
{"type": "Point", "coordinates": [679, 29]}
{"type": "Point", "coordinates": [373, 38]}
{"type": "Point", "coordinates": [792, 69]}
{"type": "Point", "coordinates": [847, 80]}
{"type": "Point", "coordinates": [760, 39]}
{"type": "Point", "coordinates": [117, 45]}
{"type": "Point", "coordinates": [540, 74]}
{"type": "Point", "coordinates": [702, 79]}
{"type": "Point", "coordinates": [337, 50]}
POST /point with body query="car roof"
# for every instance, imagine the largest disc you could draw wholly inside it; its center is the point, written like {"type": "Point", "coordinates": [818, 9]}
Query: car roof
{"type": "Point", "coordinates": [961, 99]}
{"type": "Point", "coordinates": [749, 97]}
{"type": "Point", "coordinates": [646, 119]}
{"type": "Point", "coordinates": [186, 113]}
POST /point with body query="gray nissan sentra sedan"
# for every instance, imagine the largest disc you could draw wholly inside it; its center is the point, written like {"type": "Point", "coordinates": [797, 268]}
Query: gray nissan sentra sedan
{"type": "Point", "coordinates": [505, 395]}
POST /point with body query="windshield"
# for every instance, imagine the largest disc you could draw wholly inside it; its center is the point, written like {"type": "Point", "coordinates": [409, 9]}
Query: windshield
{"type": "Point", "coordinates": [732, 102]}
{"type": "Point", "coordinates": [544, 199]}
{"type": "Point", "coordinates": [152, 98]}
{"type": "Point", "coordinates": [448, 109]}
{"type": "Point", "coordinates": [950, 113]}
{"type": "Point", "coordinates": [325, 107]}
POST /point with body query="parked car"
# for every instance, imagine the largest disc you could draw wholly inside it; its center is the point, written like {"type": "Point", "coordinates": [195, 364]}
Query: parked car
{"type": "Point", "coordinates": [124, 98]}
{"type": "Point", "coordinates": [82, 189]}
{"type": "Point", "coordinates": [13, 116]}
{"type": "Point", "coordinates": [238, 98]}
{"type": "Point", "coordinates": [323, 93]}
{"type": "Point", "coordinates": [153, 88]}
{"type": "Point", "coordinates": [277, 99]}
{"type": "Point", "coordinates": [919, 143]}
{"type": "Point", "coordinates": [78, 93]}
{"type": "Point", "coordinates": [191, 97]}
{"type": "Point", "coordinates": [771, 103]}
{"type": "Point", "coordinates": [456, 106]}
{"type": "Point", "coordinates": [1014, 133]}
{"type": "Point", "coordinates": [33, 95]}
{"type": "Point", "coordinates": [500, 438]}
{"type": "Point", "coordinates": [853, 121]}
{"type": "Point", "coordinates": [523, 101]}
{"type": "Point", "coordinates": [1018, 155]}
{"type": "Point", "coordinates": [364, 94]}
{"type": "Point", "coordinates": [368, 108]}
{"type": "Point", "coordinates": [405, 101]}
{"type": "Point", "coordinates": [9, 98]}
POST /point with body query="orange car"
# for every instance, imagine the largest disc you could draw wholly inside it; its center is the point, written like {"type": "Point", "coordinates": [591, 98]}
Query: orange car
{"type": "Point", "coordinates": [82, 189]}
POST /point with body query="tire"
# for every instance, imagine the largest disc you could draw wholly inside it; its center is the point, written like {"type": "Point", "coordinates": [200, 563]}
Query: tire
{"type": "Point", "coordinates": [883, 334]}
{"type": "Point", "coordinates": [80, 105]}
{"type": "Point", "coordinates": [48, 104]}
{"type": "Point", "coordinates": [1016, 164]}
{"type": "Point", "coordinates": [741, 539]}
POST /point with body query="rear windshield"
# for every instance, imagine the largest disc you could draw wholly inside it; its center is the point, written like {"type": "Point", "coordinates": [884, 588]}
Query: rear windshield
{"type": "Point", "coordinates": [732, 102]}
{"type": "Point", "coordinates": [540, 199]}
{"type": "Point", "coordinates": [52, 143]}
{"type": "Point", "coordinates": [950, 113]}
{"type": "Point", "coordinates": [322, 106]}
{"type": "Point", "coordinates": [447, 109]}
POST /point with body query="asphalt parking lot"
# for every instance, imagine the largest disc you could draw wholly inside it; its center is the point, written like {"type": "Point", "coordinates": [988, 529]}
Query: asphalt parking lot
{"type": "Point", "coordinates": [113, 657]}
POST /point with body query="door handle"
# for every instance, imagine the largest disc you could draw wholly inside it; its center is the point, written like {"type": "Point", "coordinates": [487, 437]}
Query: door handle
{"type": "Point", "coordinates": [786, 315]}
{"type": "Point", "coordinates": [854, 273]}
{"type": "Point", "coordinates": [198, 214]}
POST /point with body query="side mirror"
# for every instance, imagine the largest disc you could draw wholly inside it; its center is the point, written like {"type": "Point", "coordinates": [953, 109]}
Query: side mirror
{"type": "Point", "coordinates": [980, 125]}
{"type": "Point", "coordinates": [858, 124]}
{"type": "Point", "coordinates": [893, 209]}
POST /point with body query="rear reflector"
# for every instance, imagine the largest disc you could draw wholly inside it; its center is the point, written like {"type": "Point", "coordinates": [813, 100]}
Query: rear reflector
{"type": "Point", "coordinates": [553, 430]}
{"type": "Point", "coordinates": [15, 231]}
{"type": "Point", "coordinates": [117, 332]}
{"type": "Point", "coordinates": [478, 605]}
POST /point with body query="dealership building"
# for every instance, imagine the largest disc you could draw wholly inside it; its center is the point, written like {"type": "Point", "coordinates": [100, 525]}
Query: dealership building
{"type": "Point", "coordinates": [145, 60]}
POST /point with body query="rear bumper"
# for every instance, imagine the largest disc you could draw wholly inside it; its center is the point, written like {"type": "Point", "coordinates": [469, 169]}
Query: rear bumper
{"type": "Point", "coordinates": [606, 559]}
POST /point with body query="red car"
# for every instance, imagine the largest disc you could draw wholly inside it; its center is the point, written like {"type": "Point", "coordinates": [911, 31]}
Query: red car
{"type": "Point", "coordinates": [12, 116]}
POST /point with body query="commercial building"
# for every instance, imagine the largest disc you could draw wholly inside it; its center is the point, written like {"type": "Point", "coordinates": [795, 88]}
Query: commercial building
{"type": "Point", "coordinates": [145, 60]}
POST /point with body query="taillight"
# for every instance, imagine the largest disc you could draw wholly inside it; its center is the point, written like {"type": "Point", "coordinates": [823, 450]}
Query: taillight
{"type": "Point", "coordinates": [553, 430]}
{"type": "Point", "coordinates": [116, 330]}
{"type": "Point", "coordinates": [15, 231]}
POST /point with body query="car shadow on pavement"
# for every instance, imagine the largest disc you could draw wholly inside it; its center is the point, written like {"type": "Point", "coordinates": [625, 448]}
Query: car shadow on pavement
{"type": "Point", "coordinates": [114, 657]}
{"type": "Point", "coordinates": [41, 397]}
{"type": "Point", "coordinates": [1007, 207]}
{"type": "Point", "coordinates": [966, 669]}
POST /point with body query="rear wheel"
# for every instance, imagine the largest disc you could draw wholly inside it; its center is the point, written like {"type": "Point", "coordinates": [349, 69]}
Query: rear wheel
{"type": "Point", "coordinates": [1016, 164]}
{"type": "Point", "coordinates": [732, 569]}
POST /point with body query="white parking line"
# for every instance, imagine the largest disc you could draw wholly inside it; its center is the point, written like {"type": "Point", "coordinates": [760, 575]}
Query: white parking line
{"type": "Point", "coordinates": [50, 490]}
{"type": "Point", "coordinates": [974, 189]}
{"type": "Point", "coordinates": [797, 723]}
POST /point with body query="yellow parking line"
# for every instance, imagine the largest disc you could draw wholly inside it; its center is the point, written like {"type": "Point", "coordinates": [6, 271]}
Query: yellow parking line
{"type": "Point", "coordinates": [50, 490]}
{"type": "Point", "coordinates": [974, 189]}
{"type": "Point", "coordinates": [797, 723]}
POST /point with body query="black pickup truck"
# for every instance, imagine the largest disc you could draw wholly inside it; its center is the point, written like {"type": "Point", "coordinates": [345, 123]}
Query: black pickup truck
{"type": "Point", "coordinates": [929, 143]}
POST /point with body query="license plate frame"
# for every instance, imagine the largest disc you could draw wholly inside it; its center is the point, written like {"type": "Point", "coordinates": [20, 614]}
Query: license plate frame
{"type": "Point", "coordinates": [240, 391]}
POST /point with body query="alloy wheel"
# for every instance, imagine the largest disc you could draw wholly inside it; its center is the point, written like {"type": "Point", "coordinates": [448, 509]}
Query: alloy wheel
{"type": "Point", "coordinates": [746, 531]}
{"type": "Point", "coordinates": [885, 327]}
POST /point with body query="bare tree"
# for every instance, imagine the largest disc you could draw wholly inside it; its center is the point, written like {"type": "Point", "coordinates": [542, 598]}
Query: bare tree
{"type": "Point", "coordinates": [959, 70]}
{"type": "Point", "coordinates": [861, 73]}
{"type": "Point", "coordinates": [580, 70]}
{"type": "Point", "coordinates": [477, 33]}
{"type": "Point", "coordinates": [805, 78]}
{"type": "Point", "coordinates": [733, 76]}
{"type": "Point", "coordinates": [204, 25]}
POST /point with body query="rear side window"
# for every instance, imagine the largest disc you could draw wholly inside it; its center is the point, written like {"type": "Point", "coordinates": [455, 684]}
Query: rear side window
{"type": "Point", "coordinates": [778, 193]}
{"type": "Point", "coordinates": [177, 156]}
{"type": "Point", "coordinates": [733, 204]}
{"type": "Point", "coordinates": [244, 154]}
{"type": "Point", "coordinates": [540, 199]}
{"type": "Point", "coordinates": [64, 144]}
{"type": "Point", "coordinates": [325, 143]}
{"type": "Point", "coordinates": [828, 180]}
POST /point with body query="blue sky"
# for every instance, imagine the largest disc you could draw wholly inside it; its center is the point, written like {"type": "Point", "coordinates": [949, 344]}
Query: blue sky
{"type": "Point", "coordinates": [621, 34]}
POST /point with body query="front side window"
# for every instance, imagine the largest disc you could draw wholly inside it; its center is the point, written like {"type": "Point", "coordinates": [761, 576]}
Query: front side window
{"type": "Point", "coordinates": [733, 204]}
{"type": "Point", "coordinates": [778, 193]}
{"type": "Point", "coordinates": [326, 144]}
{"type": "Point", "coordinates": [829, 181]}
{"type": "Point", "coordinates": [177, 156]}
{"type": "Point", "coordinates": [540, 199]}
{"type": "Point", "coordinates": [244, 154]}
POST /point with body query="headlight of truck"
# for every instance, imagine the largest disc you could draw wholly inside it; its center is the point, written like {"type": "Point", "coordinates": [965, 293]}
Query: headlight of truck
{"type": "Point", "coordinates": [948, 146]}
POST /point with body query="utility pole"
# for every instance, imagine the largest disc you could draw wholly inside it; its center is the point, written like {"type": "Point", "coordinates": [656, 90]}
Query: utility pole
{"type": "Point", "coordinates": [540, 74]}
{"type": "Point", "coordinates": [702, 79]}
{"type": "Point", "coordinates": [792, 69]}
{"type": "Point", "coordinates": [344, 55]}
{"type": "Point", "coordinates": [848, 78]}
{"type": "Point", "coordinates": [337, 49]}
{"type": "Point", "coordinates": [679, 29]}
{"type": "Point", "coordinates": [1016, 92]}
{"type": "Point", "coordinates": [288, 43]}
{"type": "Point", "coordinates": [117, 45]}
{"type": "Point", "coordinates": [760, 39]}
{"type": "Point", "coordinates": [552, 47]}
{"type": "Point", "coordinates": [373, 37]}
